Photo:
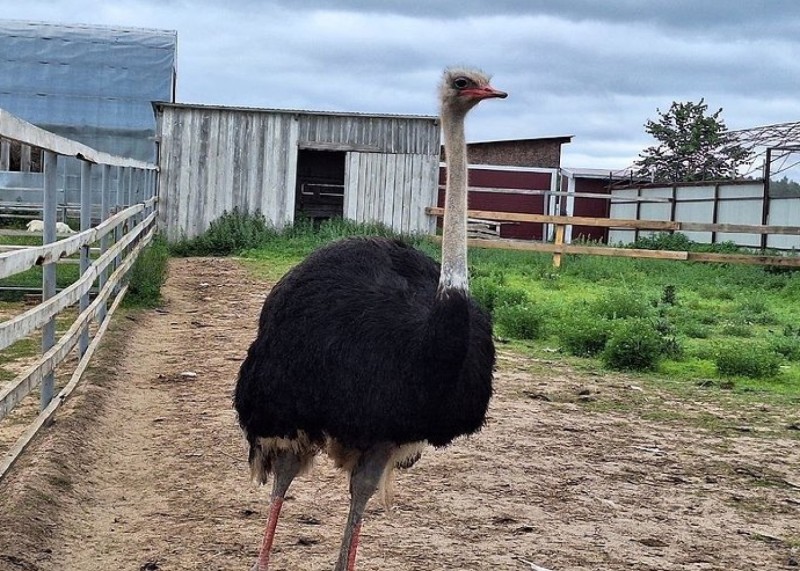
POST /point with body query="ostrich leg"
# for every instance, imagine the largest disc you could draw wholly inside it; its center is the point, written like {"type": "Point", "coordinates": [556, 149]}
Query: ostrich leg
{"type": "Point", "coordinates": [363, 483]}
{"type": "Point", "coordinates": [285, 467]}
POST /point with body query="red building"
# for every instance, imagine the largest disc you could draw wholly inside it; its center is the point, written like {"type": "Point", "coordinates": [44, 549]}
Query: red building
{"type": "Point", "coordinates": [513, 176]}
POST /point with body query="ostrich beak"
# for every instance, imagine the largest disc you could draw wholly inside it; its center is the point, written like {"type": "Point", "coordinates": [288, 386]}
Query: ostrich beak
{"type": "Point", "coordinates": [485, 92]}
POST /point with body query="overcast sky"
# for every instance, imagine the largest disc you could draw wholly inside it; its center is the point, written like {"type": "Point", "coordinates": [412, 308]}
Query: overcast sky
{"type": "Point", "coordinates": [596, 70]}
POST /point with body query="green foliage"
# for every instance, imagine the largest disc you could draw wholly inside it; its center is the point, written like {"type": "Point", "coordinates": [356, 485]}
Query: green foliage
{"type": "Point", "coordinates": [635, 345]}
{"type": "Point", "coordinates": [520, 321]}
{"type": "Point", "coordinates": [229, 234]}
{"type": "Point", "coordinates": [789, 347]}
{"type": "Point", "coordinates": [691, 146]}
{"type": "Point", "coordinates": [747, 359]}
{"type": "Point", "coordinates": [484, 291]}
{"type": "Point", "coordinates": [491, 294]}
{"type": "Point", "coordinates": [148, 274]}
{"type": "Point", "coordinates": [585, 335]}
{"type": "Point", "coordinates": [784, 188]}
{"type": "Point", "coordinates": [755, 310]}
{"type": "Point", "coordinates": [669, 295]}
{"type": "Point", "coordinates": [622, 304]}
{"type": "Point", "coordinates": [737, 329]}
{"type": "Point", "coordinates": [678, 242]}
{"type": "Point", "coordinates": [685, 306]}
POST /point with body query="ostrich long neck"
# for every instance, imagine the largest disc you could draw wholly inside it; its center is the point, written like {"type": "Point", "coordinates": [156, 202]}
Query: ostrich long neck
{"type": "Point", "coordinates": [454, 273]}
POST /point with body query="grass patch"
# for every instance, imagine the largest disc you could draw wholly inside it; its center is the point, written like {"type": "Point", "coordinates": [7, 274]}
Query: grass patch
{"type": "Point", "coordinates": [147, 275]}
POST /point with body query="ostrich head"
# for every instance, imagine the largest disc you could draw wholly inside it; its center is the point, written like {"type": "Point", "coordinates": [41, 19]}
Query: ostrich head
{"type": "Point", "coordinates": [462, 89]}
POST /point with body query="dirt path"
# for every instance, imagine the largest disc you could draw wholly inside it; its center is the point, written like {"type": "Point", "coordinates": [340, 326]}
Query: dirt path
{"type": "Point", "coordinates": [145, 469]}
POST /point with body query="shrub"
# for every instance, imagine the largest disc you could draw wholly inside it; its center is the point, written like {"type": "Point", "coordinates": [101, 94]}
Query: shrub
{"type": "Point", "coordinates": [510, 296]}
{"type": "Point", "coordinates": [229, 234]}
{"type": "Point", "coordinates": [737, 330]}
{"type": "Point", "coordinates": [148, 274]}
{"type": "Point", "coordinates": [634, 345]}
{"type": "Point", "coordinates": [621, 304]}
{"type": "Point", "coordinates": [788, 346]}
{"type": "Point", "coordinates": [521, 321]}
{"type": "Point", "coordinates": [585, 335]}
{"type": "Point", "coordinates": [669, 295]}
{"type": "Point", "coordinates": [755, 310]}
{"type": "Point", "coordinates": [755, 360]}
{"type": "Point", "coordinates": [695, 330]}
{"type": "Point", "coordinates": [490, 294]}
{"type": "Point", "coordinates": [484, 291]}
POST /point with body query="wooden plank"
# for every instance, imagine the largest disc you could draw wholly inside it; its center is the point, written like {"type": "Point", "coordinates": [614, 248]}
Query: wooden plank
{"type": "Point", "coordinates": [577, 220]}
{"type": "Point", "coordinates": [506, 244]}
{"type": "Point", "coordinates": [559, 241]}
{"type": "Point", "coordinates": [753, 259]}
{"type": "Point", "coordinates": [22, 442]}
{"type": "Point", "coordinates": [14, 128]}
{"type": "Point", "coordinates": [739, 228]}
{"type": "Point", "coordinates": [627, 223]}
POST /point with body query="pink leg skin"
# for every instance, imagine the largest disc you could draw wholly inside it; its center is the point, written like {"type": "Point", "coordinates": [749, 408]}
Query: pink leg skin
{"type": "Point", "coordinates": [351, 556]}
{"type": "Point", "coordinates": [269, 534]}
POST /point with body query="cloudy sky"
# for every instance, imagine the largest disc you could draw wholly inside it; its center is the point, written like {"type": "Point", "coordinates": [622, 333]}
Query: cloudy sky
{"type": "Point", "coordinates": [596, 70]}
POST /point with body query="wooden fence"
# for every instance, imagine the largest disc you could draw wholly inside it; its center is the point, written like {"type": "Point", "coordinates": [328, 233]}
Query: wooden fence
{"type": "Point", "coordinates": [119, 239]}
{"type": "Point", "coordinates": [558, 248]}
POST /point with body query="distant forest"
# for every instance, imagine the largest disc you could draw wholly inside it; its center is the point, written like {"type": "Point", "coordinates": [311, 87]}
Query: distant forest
{"type": "Point", "coordinates": [784, 188]}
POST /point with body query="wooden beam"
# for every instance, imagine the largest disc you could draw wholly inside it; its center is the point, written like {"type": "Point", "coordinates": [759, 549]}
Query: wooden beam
{"type": "Point", "coordinates": [626, 223]}
{"type": "Point", "coordinates": [14, 128]}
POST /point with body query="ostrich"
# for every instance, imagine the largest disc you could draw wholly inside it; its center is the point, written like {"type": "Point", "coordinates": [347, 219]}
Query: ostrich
{"type": "Point", "coordinates": [368, 350]}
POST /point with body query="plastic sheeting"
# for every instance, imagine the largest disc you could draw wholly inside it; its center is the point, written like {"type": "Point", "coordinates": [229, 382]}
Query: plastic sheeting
{"type": "Point", "coordinates": [92, 84]}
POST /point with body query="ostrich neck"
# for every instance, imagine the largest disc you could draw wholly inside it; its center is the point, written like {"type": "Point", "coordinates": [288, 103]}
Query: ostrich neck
{"type": "Point", "coordinates": [454, 273]}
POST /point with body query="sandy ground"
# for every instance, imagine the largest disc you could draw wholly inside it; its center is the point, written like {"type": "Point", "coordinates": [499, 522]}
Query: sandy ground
{"type": "Point", "coordinates": [144, 469]}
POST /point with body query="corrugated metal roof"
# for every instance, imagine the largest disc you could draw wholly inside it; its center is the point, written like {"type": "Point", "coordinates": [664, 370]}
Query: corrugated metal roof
{"type": "Point", "coordinates": [159, 104]}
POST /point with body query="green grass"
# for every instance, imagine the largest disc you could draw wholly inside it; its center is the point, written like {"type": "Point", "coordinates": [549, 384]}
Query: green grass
{"type": "Point", "coordinates": [693, 307]}
{"type": "Point", "coordinates": [148, 274]}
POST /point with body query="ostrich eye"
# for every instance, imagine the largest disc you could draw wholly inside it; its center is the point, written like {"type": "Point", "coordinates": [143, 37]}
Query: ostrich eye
{"type": "Point", "coordinates": [460, 82]}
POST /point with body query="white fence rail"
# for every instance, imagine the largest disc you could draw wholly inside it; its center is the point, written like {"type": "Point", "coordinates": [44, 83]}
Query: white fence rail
{"type": "Point", "coordinates": [118, 238]}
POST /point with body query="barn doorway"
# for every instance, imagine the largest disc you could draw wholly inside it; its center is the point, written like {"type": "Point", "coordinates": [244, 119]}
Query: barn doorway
{"type": "Point", "coordinates": [320, 185]}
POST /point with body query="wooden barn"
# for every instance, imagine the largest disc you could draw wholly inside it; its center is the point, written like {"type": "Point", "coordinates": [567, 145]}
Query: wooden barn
{"type": "Point", "coordinates": [518, 175]}
{"type": "Point", "coordinates": [289, 164]}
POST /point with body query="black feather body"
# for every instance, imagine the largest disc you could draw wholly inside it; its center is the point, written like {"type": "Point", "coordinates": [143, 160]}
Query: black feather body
{"type": "Point", "coordinates": [355, 344]}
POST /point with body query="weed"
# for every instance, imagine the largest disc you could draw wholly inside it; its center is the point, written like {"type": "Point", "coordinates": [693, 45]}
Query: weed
{"type": "Point", "coordinates": [148, 274]}
{"type": "Point", "coordinates": [747, 359]}
{"type": "Point", "coordinates": [622, 304]}
{"type": "Point", "coordinates": [229, 234]}
{"type": "Point", "coordinates": [520, 321]}
{"type": "Point", "coordinates": [634, 345]}
{"type": "Point", "coordinates": [585, 335]}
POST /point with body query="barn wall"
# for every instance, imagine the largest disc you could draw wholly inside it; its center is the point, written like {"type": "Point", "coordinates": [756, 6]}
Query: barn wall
{"type": "Point", "coordinates": [509, 189]}
{"type": "Point", "coordinates": [215, 159]}
{"type": "Point", "coordinates": [392, 189]}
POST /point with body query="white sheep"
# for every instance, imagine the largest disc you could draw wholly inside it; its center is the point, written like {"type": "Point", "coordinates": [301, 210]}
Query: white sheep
{"type": "Point", "coordinates": [38, 226]}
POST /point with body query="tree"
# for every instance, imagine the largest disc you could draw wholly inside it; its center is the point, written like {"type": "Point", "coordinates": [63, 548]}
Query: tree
{"type": "Point", "coordinates": [692, 146]}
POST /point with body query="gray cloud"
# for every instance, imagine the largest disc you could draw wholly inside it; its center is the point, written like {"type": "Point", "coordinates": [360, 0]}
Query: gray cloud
{"type": "Point", "coordinates": [595, 70]}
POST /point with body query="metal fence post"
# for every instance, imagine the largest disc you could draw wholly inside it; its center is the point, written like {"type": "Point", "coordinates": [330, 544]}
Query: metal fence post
{"type": "Point", "coordinates": [49, 208]}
